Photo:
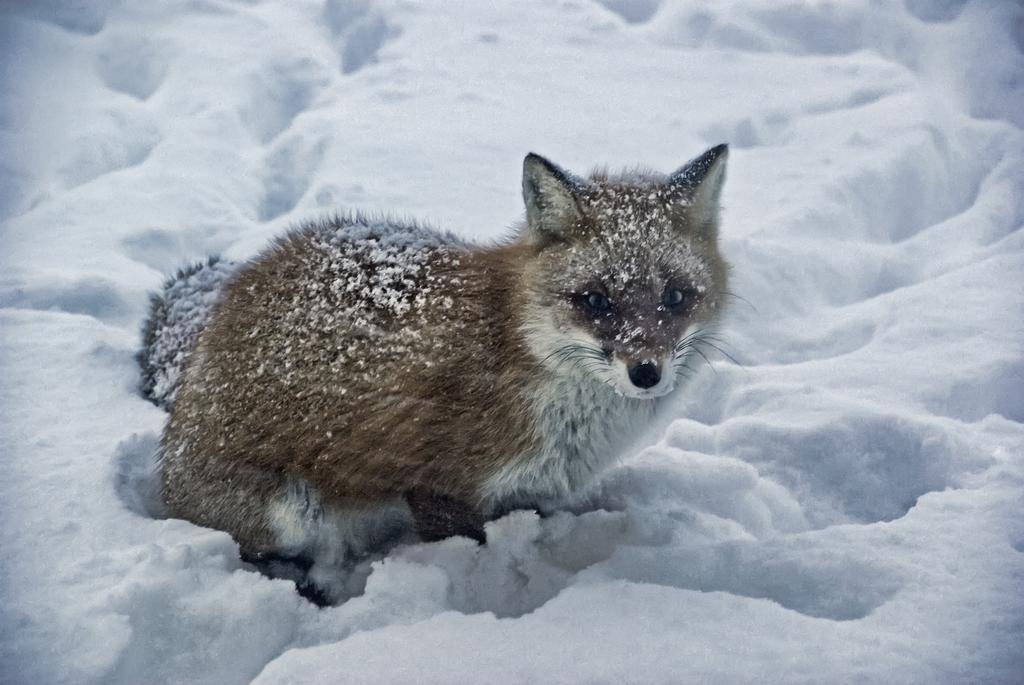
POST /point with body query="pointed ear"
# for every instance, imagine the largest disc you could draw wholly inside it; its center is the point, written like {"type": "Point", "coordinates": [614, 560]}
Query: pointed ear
{"type": "Point", "coordinates": [550, 194]}
{"type": "Point", "coordinates": [699, 183]}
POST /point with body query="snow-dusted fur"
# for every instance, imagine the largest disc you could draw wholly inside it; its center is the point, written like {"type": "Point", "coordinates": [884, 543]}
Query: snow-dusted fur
{"type": "Point", "coordinates": [176, 316]}
{"type": "Point", "coordinates": [364, 377]}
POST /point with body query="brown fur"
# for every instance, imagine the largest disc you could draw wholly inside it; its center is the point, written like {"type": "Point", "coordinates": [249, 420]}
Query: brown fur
{"type": "Point", "coordinates": [356, 440]}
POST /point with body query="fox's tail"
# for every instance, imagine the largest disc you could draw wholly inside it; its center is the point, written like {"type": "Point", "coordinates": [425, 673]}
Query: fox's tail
{"type": "Point", "coordinates": [177, 314]}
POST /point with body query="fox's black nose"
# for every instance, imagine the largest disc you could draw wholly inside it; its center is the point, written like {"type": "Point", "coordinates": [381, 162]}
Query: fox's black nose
{"type": "Point", "coordinates": [645, 374]}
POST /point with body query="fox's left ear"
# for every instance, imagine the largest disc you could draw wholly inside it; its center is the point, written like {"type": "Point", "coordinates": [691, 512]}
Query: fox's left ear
{"type": "Point", "coordinates": [699, 183]}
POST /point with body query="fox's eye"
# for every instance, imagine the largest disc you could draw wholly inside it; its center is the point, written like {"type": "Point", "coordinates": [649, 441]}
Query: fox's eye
{"type": "Point", "coordinates": [676, 297]}
{"type": "Point", "coordinates": [599, 302]}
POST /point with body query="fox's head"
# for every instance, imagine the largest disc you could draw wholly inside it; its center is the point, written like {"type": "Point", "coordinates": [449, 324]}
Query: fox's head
{"type": "Point", "coordinates": [625, 277]}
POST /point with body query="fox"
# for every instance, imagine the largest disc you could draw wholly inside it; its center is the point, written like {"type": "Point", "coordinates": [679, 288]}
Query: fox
{"type": "Point", "coordinates": [366, 380]}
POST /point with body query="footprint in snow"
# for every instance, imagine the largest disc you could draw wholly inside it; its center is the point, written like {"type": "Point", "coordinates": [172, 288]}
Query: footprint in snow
{"type": "Point", "coordinates": [132, 65]}
{"type": "Point", "coordinates": [278, 94]}
{"type": "Point", "coordinates": [632, 11]}
{"type": "Point", "coordinates": [117, 139]}
{"type": "Point", "coordinates": [289, 171]}
{"type": "Point", "coordinates": [359, 32]}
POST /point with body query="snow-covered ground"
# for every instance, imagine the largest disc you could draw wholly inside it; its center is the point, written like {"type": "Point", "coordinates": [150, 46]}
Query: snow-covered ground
{"type": "Point", "coordinates": [845, 505]}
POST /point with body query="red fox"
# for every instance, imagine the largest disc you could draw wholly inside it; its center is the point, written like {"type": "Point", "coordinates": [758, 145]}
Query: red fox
{"type": "Point", "coordinates": [363, 378]}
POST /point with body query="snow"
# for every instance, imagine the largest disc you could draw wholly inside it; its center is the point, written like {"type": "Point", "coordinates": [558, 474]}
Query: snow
{"type": "Point", "coordinates": [846, 505]}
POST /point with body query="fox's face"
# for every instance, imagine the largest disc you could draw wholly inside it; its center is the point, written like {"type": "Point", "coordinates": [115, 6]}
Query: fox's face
{"type": "Point", "coordinates": [626, 278]}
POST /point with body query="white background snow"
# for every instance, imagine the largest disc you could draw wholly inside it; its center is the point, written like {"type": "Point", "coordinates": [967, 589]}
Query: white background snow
{"type": "Point", "coordinates": [847, 505]}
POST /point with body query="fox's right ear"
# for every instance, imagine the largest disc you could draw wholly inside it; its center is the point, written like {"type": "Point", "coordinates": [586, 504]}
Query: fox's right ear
{"type": "Point", "coordinates": [550, 196]}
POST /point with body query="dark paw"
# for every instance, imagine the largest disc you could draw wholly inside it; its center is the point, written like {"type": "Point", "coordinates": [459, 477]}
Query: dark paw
{"type": "Point", "coordinates": [295, 569]}
{"type": "Point", "coordinates": [443, 516]}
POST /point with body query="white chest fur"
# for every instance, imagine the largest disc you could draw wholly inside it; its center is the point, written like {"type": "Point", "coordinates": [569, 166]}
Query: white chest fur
{"type": "Point", "coordinates": [582, 426]}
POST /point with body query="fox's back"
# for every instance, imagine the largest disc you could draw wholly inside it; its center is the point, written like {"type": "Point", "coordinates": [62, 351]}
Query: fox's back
{"type": "Point", "coordinates": [331, 354]}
